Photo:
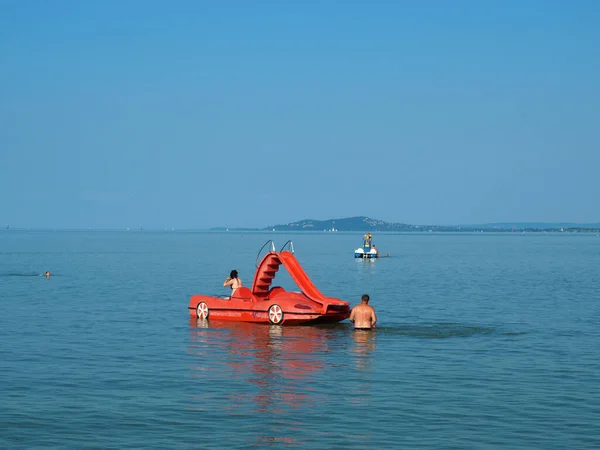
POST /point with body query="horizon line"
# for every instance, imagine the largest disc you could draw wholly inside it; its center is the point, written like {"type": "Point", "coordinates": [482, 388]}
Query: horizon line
{"type": "Point", "coordinates": [273, 228]}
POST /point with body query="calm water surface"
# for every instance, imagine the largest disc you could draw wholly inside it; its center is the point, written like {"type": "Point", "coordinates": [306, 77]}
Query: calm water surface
{"type": "Point", "coordinates": [484, 341]}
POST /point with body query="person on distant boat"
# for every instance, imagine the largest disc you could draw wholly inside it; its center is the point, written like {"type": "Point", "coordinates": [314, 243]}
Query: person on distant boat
{"type": "Point", "coordinates": [47, 274]}
{"type": "Point", "coordinates": [363, 316]}
{"type": "Point", "coordinates": [374, 250]}
{"type": "Point", "coordinates": [233, 281]}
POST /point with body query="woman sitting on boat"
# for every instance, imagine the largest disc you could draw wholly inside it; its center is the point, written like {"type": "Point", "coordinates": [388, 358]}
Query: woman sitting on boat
{"type": "Point", "coordinates": [233, 281]}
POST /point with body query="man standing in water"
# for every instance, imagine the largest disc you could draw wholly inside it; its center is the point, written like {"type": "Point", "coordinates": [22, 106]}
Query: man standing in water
{"type": "Point", "coordinates": [363, 316]}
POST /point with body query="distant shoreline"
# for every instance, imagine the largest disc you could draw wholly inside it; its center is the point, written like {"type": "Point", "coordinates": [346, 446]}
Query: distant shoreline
{"type": "Point", "coordinates": [367, 224]}
{"type": "Point", "coordinates": [363, 224]}
{"type": "Point", "coordinates": [269, 230]}
{"type": "Point", "coordinates": [423, 230]}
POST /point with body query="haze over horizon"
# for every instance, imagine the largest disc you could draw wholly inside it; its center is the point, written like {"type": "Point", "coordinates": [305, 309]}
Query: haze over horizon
{"type": "Point", "coordinates": [199, 115]}
{"type": "Point", "coordinates": [465, 226]}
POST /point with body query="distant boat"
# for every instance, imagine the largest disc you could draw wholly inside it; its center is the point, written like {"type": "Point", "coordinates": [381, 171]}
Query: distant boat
{"type": "Point", "coordinates": [368, 250]}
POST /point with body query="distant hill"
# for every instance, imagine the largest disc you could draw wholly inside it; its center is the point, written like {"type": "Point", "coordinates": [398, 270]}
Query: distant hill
{"type": "Point", "coordinates": [359, 223]}
{"type": "Point", "coordinates": [363, 223]}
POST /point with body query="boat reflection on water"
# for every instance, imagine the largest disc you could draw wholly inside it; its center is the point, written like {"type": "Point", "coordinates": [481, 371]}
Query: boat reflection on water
{"type": "Point", "coordinates": [273, 376]}
{"type": "Point", "coordinates": [275, 360]}
{"type": "Point", "coordinates": [264, 372]}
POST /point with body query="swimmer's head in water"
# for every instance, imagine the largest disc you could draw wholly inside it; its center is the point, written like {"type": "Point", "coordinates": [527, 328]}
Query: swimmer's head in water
{"type": "Point", "coordinates": [47, 274]}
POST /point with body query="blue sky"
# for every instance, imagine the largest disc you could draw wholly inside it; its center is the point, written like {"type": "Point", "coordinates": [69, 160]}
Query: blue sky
{"type": "Point", "coordinates": [193, 114]}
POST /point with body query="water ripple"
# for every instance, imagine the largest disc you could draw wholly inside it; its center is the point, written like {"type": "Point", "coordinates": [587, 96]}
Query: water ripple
{"type": "Point", "coordinates": [482, 342]}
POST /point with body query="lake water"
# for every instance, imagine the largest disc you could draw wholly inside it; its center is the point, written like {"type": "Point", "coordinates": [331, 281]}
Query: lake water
{"type": "Point", "coordinates": [484, 341]}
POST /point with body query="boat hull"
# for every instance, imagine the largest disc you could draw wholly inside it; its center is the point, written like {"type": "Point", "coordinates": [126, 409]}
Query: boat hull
{"type": "Point", "coordinates": [295, 309]}
{"type": "Point", "coordinates": [366, 255]}
{"type": "Point", "coordinates": [265, 303]}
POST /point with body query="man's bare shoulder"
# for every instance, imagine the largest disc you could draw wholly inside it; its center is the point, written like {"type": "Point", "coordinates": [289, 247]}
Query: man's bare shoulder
{"type": "Point", "coordinates": [363, 306]}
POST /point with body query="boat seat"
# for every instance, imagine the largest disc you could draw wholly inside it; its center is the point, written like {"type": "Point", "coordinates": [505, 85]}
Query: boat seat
{"type": "Point", "coordinates": [242, 293]}
{"type": "Point", "coordinates": [274, 291]}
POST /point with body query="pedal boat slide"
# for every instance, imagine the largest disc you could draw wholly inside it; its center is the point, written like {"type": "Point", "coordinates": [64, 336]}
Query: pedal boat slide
{"type": "Point", "coordinates": [269, 304]}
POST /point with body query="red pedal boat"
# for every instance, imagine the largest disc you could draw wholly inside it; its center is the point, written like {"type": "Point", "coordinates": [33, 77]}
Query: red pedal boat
{"type": "Point", "coordinates": [265, 303]}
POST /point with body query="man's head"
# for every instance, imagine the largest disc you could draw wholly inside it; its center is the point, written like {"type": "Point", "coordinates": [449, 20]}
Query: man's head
{"type": "Point", "coordinates": [365, 298]}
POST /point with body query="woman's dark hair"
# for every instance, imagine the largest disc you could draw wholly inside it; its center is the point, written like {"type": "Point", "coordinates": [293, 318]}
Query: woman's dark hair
{"type": "Point", "coordinates": [233, 274]}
